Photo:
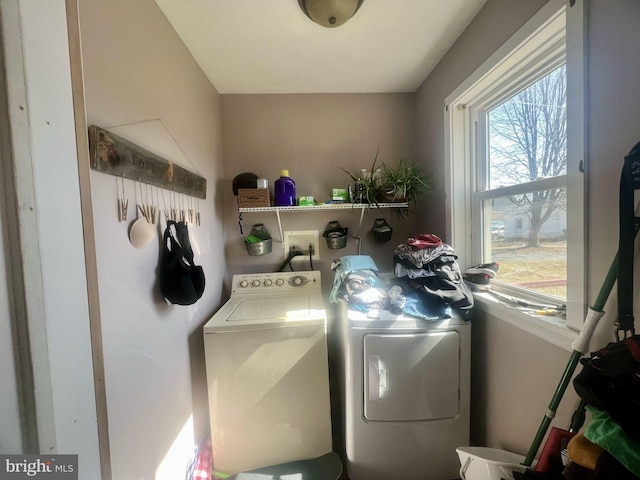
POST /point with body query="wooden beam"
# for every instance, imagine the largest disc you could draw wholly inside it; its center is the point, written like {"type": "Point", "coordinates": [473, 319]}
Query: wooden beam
{"type": "Point", "coordinates": [114, 155]}
{"type": "Point", "coordinates": [88, 233]}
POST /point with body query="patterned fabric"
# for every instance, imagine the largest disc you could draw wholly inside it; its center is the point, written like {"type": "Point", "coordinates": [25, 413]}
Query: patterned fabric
{"type": "Point", "coordinates": [200, 464]}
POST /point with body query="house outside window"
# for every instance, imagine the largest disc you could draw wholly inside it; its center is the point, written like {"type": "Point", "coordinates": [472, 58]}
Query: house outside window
{"type": "Point", "coordinates": [515, 192]}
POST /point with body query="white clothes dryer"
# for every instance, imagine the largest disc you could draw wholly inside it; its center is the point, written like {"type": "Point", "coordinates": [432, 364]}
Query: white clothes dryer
{"type": "Point", "coordinates": [405, 391]}
{"type": "Point", "coordinates": [267, 372]}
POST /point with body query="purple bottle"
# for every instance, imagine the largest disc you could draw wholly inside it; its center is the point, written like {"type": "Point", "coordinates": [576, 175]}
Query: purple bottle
{"type": "Point", "coordinates": [284, 190]}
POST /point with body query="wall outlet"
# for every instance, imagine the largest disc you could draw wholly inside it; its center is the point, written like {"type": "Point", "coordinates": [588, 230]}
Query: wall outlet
{"type": "Point", "coordinates": [301, 241]}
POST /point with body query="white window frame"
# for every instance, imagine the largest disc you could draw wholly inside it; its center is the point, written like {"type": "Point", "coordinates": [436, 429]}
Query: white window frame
{"type": "Point", "coordinates": [552, 36]}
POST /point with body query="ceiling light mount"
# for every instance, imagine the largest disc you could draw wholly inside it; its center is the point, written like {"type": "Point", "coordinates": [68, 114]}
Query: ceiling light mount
{"type": "Point", "coordinates": [330, 13]}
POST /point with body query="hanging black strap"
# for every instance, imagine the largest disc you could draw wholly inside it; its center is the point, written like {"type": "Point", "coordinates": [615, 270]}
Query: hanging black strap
{"type": "Point", "coordinates": [179, 244]}
{"type": "Point", "coordinates": [182, 235]}
{"type": "Point", "coordinates": [629, 182]}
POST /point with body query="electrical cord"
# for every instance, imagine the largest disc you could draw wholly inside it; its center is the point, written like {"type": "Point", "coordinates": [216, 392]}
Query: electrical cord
{"type": "Point", "coordinates": [292, 254]}
{"type": "Point", "coordinates": [287, 261]}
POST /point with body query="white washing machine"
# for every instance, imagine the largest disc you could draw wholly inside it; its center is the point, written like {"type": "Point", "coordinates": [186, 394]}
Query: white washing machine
{"type": "Point", "coordinates": [267, 372]}
{"type": "Point", "coordinates": [405, 395]}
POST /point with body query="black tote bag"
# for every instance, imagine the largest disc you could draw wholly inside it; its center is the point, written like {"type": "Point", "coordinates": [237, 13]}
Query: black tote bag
{"type": "Point", "coordinates": [181, 281]}
{"type": "Point", "coordinates": [610, 378]}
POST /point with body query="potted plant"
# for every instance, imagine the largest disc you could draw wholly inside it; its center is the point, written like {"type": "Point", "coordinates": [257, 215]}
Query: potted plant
{"type": "Point", "coordinates": [403, 183]}
{"type": "Point", "coordinates": [369, 184]}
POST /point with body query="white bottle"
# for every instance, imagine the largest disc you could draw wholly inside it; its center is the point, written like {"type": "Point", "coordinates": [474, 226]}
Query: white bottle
{"type": "Point", "coordinates": [376, 177]}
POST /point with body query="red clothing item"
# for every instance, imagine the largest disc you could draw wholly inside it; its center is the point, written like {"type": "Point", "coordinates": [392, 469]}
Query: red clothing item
{"type": "Point", "coordinates": [424, 240]}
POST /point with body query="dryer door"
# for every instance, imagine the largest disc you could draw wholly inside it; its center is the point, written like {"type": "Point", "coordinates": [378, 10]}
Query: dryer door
{"type": "Point", "coordinates": [411, 377]}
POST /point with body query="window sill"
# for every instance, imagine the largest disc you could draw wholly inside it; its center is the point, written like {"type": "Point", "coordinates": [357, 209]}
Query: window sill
{"type": "Point", "coordinates": [552, 329]}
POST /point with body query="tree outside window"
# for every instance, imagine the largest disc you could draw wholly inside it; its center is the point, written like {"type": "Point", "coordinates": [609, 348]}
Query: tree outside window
{"type": "Point", "coordinates": [526, 144]}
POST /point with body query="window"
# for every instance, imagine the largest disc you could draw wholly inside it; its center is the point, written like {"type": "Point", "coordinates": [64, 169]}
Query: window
{"type": "Point", "coordinates": [516, 195]}
{"type": "Point", "coordinates": [526, 150]}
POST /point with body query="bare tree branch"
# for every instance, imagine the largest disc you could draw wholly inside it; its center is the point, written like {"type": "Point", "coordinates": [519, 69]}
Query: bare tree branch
{"type": "Point", "coordinates": [528, 141]}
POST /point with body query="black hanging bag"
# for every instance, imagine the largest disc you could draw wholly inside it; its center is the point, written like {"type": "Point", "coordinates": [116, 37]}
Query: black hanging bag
{"type": "Point", "coordinates": [181, 281]}
{"type": "Point", "coordinates": [610, 378]}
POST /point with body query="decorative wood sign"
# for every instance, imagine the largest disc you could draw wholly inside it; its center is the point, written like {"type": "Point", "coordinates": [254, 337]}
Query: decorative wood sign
{"type": "Point", "coordinates": [116, 156]}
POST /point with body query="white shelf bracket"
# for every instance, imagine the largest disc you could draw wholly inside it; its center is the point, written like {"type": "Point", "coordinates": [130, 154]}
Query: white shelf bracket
{"type": "Point", "coordinates": [280, 228]}
{"type": "Point", "coordinates": [360, 223]}
{"type": "Point", "coordinates": [358, 237]}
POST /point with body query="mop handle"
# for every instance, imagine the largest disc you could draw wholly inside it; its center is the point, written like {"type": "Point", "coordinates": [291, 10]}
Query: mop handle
{"type": "Point", "coordinates": [581, 343]}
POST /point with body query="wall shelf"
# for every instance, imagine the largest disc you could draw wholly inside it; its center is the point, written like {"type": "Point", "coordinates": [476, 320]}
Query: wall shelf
{"type": "Point", "coordinates": [362, 207]}
{"type": "Point", "coordinates": [326, 206]}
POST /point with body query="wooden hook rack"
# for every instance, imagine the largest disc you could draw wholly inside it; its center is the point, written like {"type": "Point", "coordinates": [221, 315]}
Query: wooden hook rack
{"type": "Point", "coordinates": [114, 155]}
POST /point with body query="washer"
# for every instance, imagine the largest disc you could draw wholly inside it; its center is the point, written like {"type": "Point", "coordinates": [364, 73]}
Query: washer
{"type": "Point", "coordinates": [267, 372]}
{"type": "Point", "coordinates": [405, 395]}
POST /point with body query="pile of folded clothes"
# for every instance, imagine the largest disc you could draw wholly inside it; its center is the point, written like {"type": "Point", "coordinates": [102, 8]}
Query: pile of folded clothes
{"type": "Point", "coordinates": [431, 266]}
{"type": "Point", "coordinates": [426, 282]}
{"type": "Point", "coordinates": [358, 282]}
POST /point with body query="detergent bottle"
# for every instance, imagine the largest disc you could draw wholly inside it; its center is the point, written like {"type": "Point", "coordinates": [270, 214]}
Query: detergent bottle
{"type": "Point", "coordinates": [284, 190]}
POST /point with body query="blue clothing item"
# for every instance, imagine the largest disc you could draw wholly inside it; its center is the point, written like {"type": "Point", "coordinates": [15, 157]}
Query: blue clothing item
{"type": "Point", "coordinates": [420, 305]}
{"type": "Point", "coordinates": [346, 265]}
{"type": "Point", "coordinates": [353, 263]}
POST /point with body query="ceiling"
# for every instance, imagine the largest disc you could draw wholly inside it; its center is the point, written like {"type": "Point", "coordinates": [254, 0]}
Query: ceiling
{"type": "Point", "coordinates": [271, 46]}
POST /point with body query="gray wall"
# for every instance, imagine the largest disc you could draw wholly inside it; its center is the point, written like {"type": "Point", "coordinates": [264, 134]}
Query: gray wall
{"type": "Point", "coordinates": [313, 136]}
{"type": "Point", "coordinates": [515, 373]}
{"type": "Point", "coordinates": [142, 83]}
{"type": "Point", "coordinates": [507, 405]}
{"type": "Point", "coordinates": [153, 352]}
{"type": "Point", "coordinates": [613, 103]}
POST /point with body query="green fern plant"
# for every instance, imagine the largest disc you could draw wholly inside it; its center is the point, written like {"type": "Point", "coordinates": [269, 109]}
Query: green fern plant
{"type": "Point", "coordinates": [404, 183]}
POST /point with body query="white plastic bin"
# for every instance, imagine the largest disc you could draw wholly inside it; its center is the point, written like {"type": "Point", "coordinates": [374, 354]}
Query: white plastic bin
{"type": "Point", "coordinates": [482, 463]}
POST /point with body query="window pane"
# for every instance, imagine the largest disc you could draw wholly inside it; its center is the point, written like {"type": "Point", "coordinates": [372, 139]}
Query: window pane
{"type": "Point", "coordinates": [528, 240]}
{"type": "Point", "coordinates": [527, 137]}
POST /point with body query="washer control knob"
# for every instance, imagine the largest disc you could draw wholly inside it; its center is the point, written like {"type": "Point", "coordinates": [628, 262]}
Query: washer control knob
{"type": "Point", "coordinates": [279, 282]}
{"type": "Point", "coordinates": [268, 283]}
{"type": "Point", "coordinates": [244, 283]}
{"type": "Point", "coordinates": [298, 281]}
{"type": "Point", "coordinates": [255, 283]}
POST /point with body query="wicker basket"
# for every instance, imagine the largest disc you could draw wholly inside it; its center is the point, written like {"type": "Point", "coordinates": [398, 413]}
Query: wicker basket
{"type": "Point", "coordinates": [253, 197]}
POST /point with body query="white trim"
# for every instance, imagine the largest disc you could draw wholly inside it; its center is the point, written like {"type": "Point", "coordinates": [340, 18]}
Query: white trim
{"type": "Point", "coordinates": [577, 181]}
{"type": "Point", "coordinates": [547, 328]}
{"type": "Point", "coordinates": [46, 246]}
{"type": "Point", "coordinates": [24, 245]}
{"type": "Point", "coordinates": [539, 47]}
{"type": "Point", "coordinates": [82, 146]}
{"type": "Point", "coordinates": [524, 42]}
{"type": "Point", "coordinates": [520, 189]}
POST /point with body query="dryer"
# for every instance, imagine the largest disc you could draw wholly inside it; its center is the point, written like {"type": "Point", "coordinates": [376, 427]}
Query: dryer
{"type": "Point", "coordinates": [267, 372]}
{"type": "Point", "coordinates": [405, 391]}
